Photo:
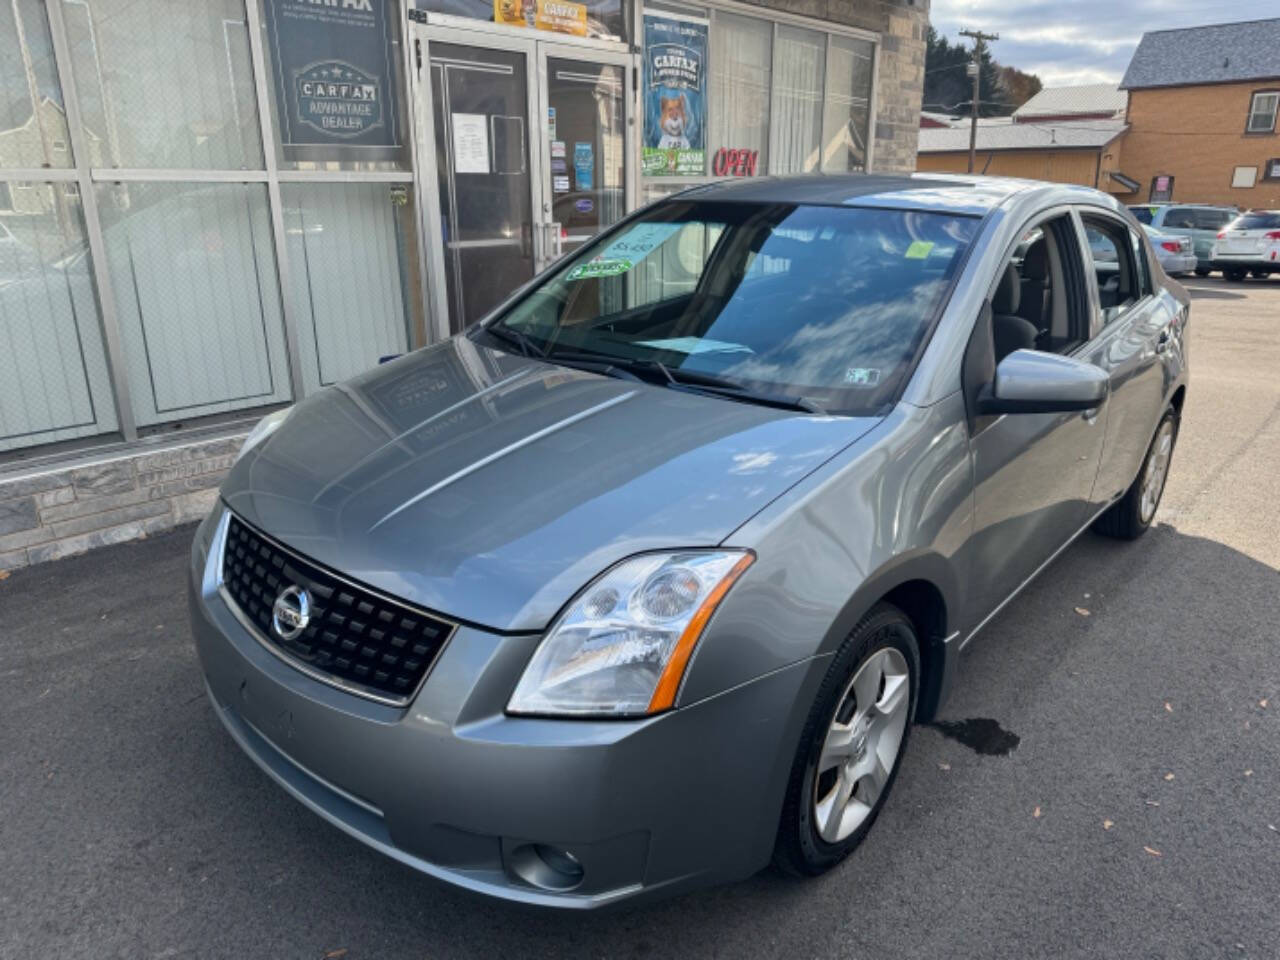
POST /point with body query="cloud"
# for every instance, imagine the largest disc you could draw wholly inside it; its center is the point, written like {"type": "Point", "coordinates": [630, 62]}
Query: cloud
{"type": "Point", "coordinates": [1085, 41]}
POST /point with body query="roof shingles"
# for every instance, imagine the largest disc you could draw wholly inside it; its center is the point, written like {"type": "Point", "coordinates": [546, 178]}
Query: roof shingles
{"type": "Point", "coordinates": [1219, 53]}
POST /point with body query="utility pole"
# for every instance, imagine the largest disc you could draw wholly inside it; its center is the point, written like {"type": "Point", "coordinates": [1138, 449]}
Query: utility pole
{"type": "Point", "coordinates": [979, 44]}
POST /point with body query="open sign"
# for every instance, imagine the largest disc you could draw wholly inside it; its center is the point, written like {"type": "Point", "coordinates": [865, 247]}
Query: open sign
{"type": "Point", "coordinates": [734, 163]}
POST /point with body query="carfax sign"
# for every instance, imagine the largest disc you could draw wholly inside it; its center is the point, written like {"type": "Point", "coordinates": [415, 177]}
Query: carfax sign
{"type": "Point", "coordinates": [675, 97]}
{"type": "Point", "coordinates": [335, 82]}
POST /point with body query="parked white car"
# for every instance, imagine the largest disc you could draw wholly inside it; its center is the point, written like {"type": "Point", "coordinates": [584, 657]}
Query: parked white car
{"type": "Point", "coordinates": [1250, 244]}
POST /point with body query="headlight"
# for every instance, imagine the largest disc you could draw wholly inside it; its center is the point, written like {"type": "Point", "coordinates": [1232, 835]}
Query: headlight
{"type": "Point", "coordinates": [621, 647]}
{"type": "Point", "coordinates": [263, 429]}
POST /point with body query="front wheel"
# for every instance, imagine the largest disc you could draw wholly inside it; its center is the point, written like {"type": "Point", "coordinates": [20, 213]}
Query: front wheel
{"type": "Point", "coordinates": [1131, 515]}
{"type": "Point", "coordinates": [852, 743]}
{"type": "Point", "coordinates": [1202, 271]}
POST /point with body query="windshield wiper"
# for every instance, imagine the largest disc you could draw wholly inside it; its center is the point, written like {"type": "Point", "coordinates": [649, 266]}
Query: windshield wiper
{"type": "Point", "coordinates": [510, 335]}
{"type": "Point", "coordinates": [678, 379]}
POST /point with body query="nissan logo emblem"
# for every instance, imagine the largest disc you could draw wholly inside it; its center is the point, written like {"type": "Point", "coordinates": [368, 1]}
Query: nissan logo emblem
{"type": "Point", "coordinates": [291, 612]}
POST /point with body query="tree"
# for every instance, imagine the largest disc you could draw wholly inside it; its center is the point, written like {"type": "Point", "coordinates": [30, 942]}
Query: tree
{"type": "Point", "coordinates": [1018, 87]}
{"type": "Point", "coordinates": [948, 88]}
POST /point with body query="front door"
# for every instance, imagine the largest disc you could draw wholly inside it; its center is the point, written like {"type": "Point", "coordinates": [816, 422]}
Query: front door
{"type": "Point", "coordinates": [527, 143]}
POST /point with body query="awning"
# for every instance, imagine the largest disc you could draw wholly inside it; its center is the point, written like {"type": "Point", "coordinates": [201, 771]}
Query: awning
{"type": "Point", "coordinates": [1128, 183]}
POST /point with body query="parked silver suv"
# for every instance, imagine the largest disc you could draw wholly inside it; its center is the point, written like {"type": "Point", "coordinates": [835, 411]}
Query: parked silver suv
{"type": "Point", "coordinates": [1199, 221]}
{"type": "Point", "coordinates": [641, 583]}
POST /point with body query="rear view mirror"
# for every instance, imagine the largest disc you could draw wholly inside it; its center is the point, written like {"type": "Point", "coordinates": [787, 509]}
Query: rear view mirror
{"type": "Point", "coordinates": [1030, 381]}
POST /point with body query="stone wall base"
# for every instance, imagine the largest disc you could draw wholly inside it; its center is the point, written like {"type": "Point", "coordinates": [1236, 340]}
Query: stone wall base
{"type": "Point", "coordinates": [70, 509]}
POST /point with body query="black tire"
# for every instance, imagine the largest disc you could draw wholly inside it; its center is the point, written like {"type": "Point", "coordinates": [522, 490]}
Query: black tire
{"type": "Point", "coordinates": [799, 850]}
{"type": "Point", "coordinates": [1235, 274]}
{"type": "Point", "coordinates": [1202, 271]}
{"type": "Point", "coordinates": [1124, 521]}
{"type": "Point", "coordinates": [1259, 274]}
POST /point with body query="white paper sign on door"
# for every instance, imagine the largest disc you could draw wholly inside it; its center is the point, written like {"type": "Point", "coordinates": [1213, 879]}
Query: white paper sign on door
{"type": "Point", "coordinates": [470, 143]}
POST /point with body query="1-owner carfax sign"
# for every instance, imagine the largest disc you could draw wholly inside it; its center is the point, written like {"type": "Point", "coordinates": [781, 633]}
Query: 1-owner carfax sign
{"type": "Point", "coordinates": [335, 82]}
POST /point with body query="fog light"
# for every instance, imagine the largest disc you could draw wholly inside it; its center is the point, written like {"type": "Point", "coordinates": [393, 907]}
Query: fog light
{"type": "Point", "coordinates": [546, 867]}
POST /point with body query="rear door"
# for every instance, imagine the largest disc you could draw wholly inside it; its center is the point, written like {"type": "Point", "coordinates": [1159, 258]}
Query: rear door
{"type": "Point", "coordinates": [1130, 330]}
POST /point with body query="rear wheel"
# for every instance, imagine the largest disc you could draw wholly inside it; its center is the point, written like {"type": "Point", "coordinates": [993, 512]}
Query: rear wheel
{"type": "Point", "coordinates": [1132, 514]}
{"type": "Point", "coordinates": [1202, 271]}
{"type": "Point", "coordinates": [852, 743]}
{"type": "Point", "coordinates": [1235, 274]}
{"type": "Point", "coordinates": [1260, 274]}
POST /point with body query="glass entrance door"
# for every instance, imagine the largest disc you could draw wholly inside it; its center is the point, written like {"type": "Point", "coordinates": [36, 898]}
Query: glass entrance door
{"type": "Point", "coordinates": [527, 141]}
{"type": "Point", "coordinates": [585, 138]}
{"type": "Point", "coordinates": [484, 176]}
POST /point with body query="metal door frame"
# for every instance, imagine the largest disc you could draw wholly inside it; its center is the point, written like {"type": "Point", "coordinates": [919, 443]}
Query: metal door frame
{"type": "Point", "coordinates": [536, 48]}
{"type": "Point", "coordinates": [553, 49]}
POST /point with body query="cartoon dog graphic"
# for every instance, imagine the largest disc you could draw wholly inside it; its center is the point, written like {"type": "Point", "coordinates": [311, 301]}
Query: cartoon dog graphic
{"type": "Point", "coordinates": [673, 123]}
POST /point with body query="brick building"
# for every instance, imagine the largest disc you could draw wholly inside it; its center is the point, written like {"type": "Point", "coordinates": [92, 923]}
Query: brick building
{"type": "Point", "coordinates": [1202, 115]}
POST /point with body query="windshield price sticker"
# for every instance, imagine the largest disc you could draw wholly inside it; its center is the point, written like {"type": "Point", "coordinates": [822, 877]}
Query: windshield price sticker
{"type": "Point", "coordinates": [599, 268]}
{"type": "Point", "coordinates": [918, 250]}
{"type": "Point", "coordinates": [640, 241]}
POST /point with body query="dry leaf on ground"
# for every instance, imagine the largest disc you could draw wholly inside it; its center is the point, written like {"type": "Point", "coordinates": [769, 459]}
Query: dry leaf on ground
{"type": "Point", "coordinates": [1263, 703]}
{"type": "Point", "coordinates": [1082, 611]}
{"type": "Point", "coordinates": [4, 574]}
{"type": "Point", "coordinates": [944, 766]}
{"type": "Point", "coordinates": [1168, 776]}
{"type": "Point", "coordinates": [1036, 813]}
{"type": "Point", "coordinates": [1168, 707]}
{"type": "Point", "coordinates": [335, 954]}
{"type": "Point", "coordinates": [1107, 824]}
{"type": "Point", "coordinates": [1154, 852]}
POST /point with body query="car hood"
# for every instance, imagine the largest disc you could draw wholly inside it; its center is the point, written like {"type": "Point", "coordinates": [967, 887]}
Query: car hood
{"type": "Point", "coordinates": [491, 488]}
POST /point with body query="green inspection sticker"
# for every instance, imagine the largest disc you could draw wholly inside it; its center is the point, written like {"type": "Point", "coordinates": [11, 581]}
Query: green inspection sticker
{"type": "Point", "coordinates": [918, 250]}
{"type": "Point", "coordinates": [599, 268]}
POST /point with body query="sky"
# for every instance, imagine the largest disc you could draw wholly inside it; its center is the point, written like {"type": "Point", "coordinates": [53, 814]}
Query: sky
{"type": "Point", "coordinates": [1069, 42]}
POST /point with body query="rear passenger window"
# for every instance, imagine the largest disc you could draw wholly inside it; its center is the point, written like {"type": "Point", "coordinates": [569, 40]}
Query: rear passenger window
{"type": "Point", "coordinates": [1180, 218]}
{"type": "Point", "coordinates": [1213, 219]}
{"type": "Point", "coordinates": [1120, 285]}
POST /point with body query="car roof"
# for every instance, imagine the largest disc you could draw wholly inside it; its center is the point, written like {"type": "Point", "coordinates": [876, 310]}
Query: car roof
{"type": "Point", "coordinates": [952, 193]}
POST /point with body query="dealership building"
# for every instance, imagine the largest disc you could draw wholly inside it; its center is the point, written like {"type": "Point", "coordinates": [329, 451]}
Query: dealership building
{"type": "Point", "coordinates": [211, 209]}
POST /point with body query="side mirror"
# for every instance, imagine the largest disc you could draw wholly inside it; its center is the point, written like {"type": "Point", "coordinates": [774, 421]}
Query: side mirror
{"type": "Point", "coordinates": [1029, 381]}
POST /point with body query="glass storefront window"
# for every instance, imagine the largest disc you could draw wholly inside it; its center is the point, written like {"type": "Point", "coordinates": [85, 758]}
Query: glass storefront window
{"type": "Point", "coordinates": [353, 282]}
{"type": "Point", "coordinates": [740, 74]}
{"type": "Point", "coordinates": [165, 85]}
{"type": "Point", "coordinates": [846, 117]}
{"type": "Point", "coordinates": [796, 129]}
{"type": "Point", "coordinates": [33, 122]}
{"type": "Point", "coordinates": [197, 297]}
{"type": "Point", "coordinates": [53, 372]}
{"type": "Point", "coordinates": [603, 19]}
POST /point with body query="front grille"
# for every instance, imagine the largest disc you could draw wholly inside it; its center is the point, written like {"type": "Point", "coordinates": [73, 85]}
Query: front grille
{"type": "Point", "coordinates": [355, 638]}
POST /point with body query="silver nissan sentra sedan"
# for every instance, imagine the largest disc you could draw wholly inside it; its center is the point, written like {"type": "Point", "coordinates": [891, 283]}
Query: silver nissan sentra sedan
{"type": "Point", "coordinates": [640, 583]}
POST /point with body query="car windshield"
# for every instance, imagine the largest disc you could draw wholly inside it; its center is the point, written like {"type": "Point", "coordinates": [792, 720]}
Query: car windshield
{"type": "Point", "coordinates": [825, 305]}
{"type": "Point", "coordinates": [1258, 220]}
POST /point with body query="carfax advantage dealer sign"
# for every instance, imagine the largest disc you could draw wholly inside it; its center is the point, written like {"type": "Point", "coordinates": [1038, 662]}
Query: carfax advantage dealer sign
{"type": "Point", "coordinates": [335, 80]}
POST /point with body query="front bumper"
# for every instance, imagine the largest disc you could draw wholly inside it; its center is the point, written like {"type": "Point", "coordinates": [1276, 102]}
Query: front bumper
{"type": "Point", "coordinates": [453, 787]}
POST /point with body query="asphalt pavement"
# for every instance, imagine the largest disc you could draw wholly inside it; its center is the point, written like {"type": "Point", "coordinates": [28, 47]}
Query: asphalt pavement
{"type": "Point", "coordinates": [1136, 817]}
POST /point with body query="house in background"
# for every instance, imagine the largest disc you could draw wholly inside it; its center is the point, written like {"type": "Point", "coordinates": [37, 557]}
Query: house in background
{"type": "Point", "coordinates": [1086, 152]}
{"type": "Point", "coordinates": [1202, 115]}
{"type": "Point", "coordinates": [1095, 101]}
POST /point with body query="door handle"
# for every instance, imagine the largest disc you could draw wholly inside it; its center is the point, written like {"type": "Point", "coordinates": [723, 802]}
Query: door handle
{"type": "Point", "coordinates": [557, 241]}
{"type": "Point", "coordinates": [1162, 342]}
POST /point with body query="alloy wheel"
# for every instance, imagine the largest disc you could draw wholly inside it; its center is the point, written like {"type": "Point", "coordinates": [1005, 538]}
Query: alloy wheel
{"type": "Point", "coordinates": [862, 744]}
{"type": "Point", "coordinates": [1155, 471]}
